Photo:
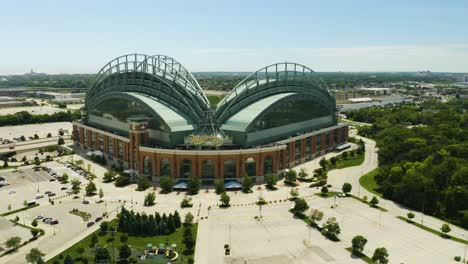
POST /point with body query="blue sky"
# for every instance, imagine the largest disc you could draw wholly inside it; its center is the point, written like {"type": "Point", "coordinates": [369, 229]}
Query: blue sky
{"type": "Point", "coordinates": [81, 36]}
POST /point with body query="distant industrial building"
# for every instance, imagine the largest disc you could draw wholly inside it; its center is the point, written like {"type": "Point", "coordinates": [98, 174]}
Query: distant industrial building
{"type": "Point", "coordinates": [61, 97]}
{"type": "Point", "coordinates": [6, 101]}
{"type": "Point", "coordinates": [377, 91]}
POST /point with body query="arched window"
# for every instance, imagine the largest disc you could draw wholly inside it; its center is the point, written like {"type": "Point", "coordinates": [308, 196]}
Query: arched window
{"type": "Point", "coordinates": [229, 169]}
{"type": "Point", "coordinates": [147, 165]}
{"type": "Point", "coordinates": [268, 165]}
{"type": "Point", "coordinates": [165, 167]}
{"type": "Point", "coordinates": [250, 167]}
{"type": "Point", "coordinates": [186, 169]}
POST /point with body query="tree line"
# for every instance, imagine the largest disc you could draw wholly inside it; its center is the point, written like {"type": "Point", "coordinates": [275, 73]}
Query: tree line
{"type": "Point", "coordinates": [24, 117]}
{"type": "Point", "coordinates": [423, 156]}
{"type": "Point", "coordinates": [137, 224]}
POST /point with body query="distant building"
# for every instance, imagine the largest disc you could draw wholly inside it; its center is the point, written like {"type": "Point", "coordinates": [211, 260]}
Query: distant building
{"type": "Point", "coordinates": [378, 91]}
{"type": "Point", "coordinates": [32, 73]}
{"type": "Point", "coordinates": [61, 97]}
{"type": "Point", "coordinates": [465, 78]}
{"type": "Point", "coordinates": [361, 100]}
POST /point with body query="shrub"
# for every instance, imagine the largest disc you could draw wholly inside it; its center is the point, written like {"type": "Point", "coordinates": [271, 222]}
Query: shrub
{"type": "Point", "coordinates": [143, 184]}
{"type": "Point", "coordinates": [166, 184]}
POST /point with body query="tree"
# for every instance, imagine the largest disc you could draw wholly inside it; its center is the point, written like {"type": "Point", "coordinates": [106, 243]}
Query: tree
{"type": "Point", "coordinates": [324, 190]}
{"type": "Point", "coordinates": [5, 163]}
{"type": "Point", "coordinates": [331, 229]}
{"type": "Point", "coordinates": [323, 163]}
{"type": "Point", "coordinates": [64, 178]}
{"type": "Point", "coordinates": [347, 187]}
{"type": "Point", "coordinates": [193, 185]}
{"type": "Point", "coordinates": [271, 180]}
{"type": "Point", "coordinates": [34, 256]}
{"type": "Point", "coordinates": [380, 255]}
{"type": "Point", "coordinates": [34, 223]}
{"type": "Point", "coordinates": [374, 201]}
{"type": "Point", "coordinates": [61, 141]}
{"type": "Point", "coordinates": [446, 229]}
{"type": "Point", "coordinates": [13, 242]}
{"type": "Point", "coordinates": [94, 240]}
{"type": "Point", "coordinates": [34, 232]}
{"type": "Point", "coordinates": [80, 251]}
{"type": "Point", "coordinates": [300, 206]}
{"type": "Point", "coordinates": [247, 184]}
{"type": "Point", "coordinates": [302, 174]}
{"type": "Point", "coordinates": [104, 226]}
{"type": "Point", "coordinates": [166, 184]}
{"type": "Point", "coordinates": [149, 199]}
{"type": "Point", "coordinates": [124, 252]}
{"type": "Point", "coordinates": [143, 184]}
{"type": "Point", "coordinates": [76, 186]}
{"type": "Point", "coordinates": [37, 162]}
{"type": "Point", "coordinates": [109, 176]}
{"type": "Point", "coordinates": [90, 188]}
{"type": "Point", "coordinates": [124, 238]}
{"type": "Point", "coordinates": [224, 200]}
{"type": "Point", "coordinates": [358, 244]}
{"type": "Point", "coordinates": [333, 160]}
{"type": "Point", "coordinates": [101, 193]}
{"type": "Point", "coordinates": [315, 216]}
{"type": "Point", "coordinates": [68, 260]}
{"type": "Point", "coordinates": [188, 219]}
{"type": "Point", "coordinates": [49, 135]}
{"type": "Point", "coordinates": [122, 180]}
{"type": "Point", "coordinates": [290, 177]}
{"type": "Point", "coordinates": [344, 155]}
{"type": "Point", "coordinates": [186, 202]}
{"type": "Point", "coordinates": [102, 255]}
{"type": "Point", "coordinates": [219, 187]}
{"type": "Point", "coordinates": [294, 192]}
{"type": "Point", "coordinates": [36, 136]}
{"type": "Point", "coordinates": [410, 215]}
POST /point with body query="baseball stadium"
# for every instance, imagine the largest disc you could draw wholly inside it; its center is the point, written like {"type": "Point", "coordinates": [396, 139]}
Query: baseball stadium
{"type": "Point", "coordinates": [149, 116]}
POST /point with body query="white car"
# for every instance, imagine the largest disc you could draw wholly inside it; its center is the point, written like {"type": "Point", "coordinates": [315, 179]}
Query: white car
{"type": "Point", "coordinates": [11, 192]}
{"type": "Point", "coordinates": [39, 196]}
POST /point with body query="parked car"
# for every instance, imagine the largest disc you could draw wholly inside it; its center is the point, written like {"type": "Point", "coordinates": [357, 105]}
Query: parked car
{"type": "Point", "coordinates": [63, 188]}
{"type": "Point", "coordinates": [52, 180]}
{"type": "Point", "coordinates": [54, 222]}
{"type": "Point", "coordinates": [39, 217]}
{"type": "Point", "coordinates": [85, 202]}
{"type": "Point", "coordinates": [39, 196]}
{"type": "Point", "coordinates": [98, 219]}
{"type": "Point", "coordinates": [51, 194]}
{"type": "Point", "coordinates": [47, 192]}
{"type": "Point", "coordinates": [89, 224]}
{"type": "Point", "coordinates": [46, 219]}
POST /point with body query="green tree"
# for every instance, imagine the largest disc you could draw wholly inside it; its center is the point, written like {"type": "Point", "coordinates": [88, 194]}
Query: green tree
{"type": "Point", "coordinates": [219, 187]}
{"type": "Point", "coordinates": [76, 186]}
{"type": "Point", "coordinates": [124, 238]}
{"type": "Point", "coordinates": [224, 199]}
{"type": "Point", "coordinates": [61, 141]}
{"type": "Point", "coordinates": [109, 176]}
{"type": "Point", "coordinates": [166, 184]}
{"type": "Point", "coordinates": [68, 260]}
{"type": "Point", "coordinates": [94, 240]}
{"type": "Point", "coordinates": [380, 255]}
{"type": "Point", "coordinates": [149, 199]}
{"type": "Point", "coordinates": [333, 160]}
{"type": "Point", "coordinates": [300, 206]}
{"type": "Point", "coordinates": [331, 229]}
{"type": "Point", "coordinates": [90, 189]}
{"type": "Point", "coordinates": [188, 219]}
{"type": "Point", "coordinates": [374, 201]}
{"type": "Point", "coordinates": [80, 251]}
{"type": "Point", "coordinates": [143, 184]}
{"type": "Point", "coordinates": [410, 215]}
{"type": "Point", "coordinates": [34, 256]}
{"type": "Point", "coordinates": [124, 252]}
{"type": "Point", "coordinates": [294, 192]}
{"type": "Point", "coordinates": [102, 255]}
{"type": "Point", "coordinates": [247, 184]}
{"type": "Point", "coordinates": [193, 185]}
{"type": "Point", "coordinates": [104, 226]}
{"type": "Point", "coordinates": [347, 187]}
{"type": "Point", "coordinates": [49, 135]}
{"type": "Point", "coordinates": [445, 229]}
{"type": "Point", "coordinates": [324, 190]}
{"type": "Point", "coordinates": [13, 242]}
{"type": "Point", "coordinates": [315, 216]}
{"type": "Point", "coordinates": [101, 193]}
{"type": "Point", "coordinates": [34, 232]}
{"type": "Point", "coordinates": [302, 174]}
{"type": "Point", "coordinates": [5, 163]}
{"type": "Point", "coordinates": [64, 178]}
{"type": "Point", "coordinates": [34, 223]}
{"type": "Point", "coordinates": [323, 163]}
{"type": "Point", "coordinates": [357, 244]}
{"type": "Point", "coordinates": [290, 177]}
{"type": "Point", "coordinates": [271, 180]}
{"type": "Point", "coordinates": [186, 202]}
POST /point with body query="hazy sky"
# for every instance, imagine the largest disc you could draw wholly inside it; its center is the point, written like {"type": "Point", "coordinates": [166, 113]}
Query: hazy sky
{"type": "Point", "coordinates": [81, 36]}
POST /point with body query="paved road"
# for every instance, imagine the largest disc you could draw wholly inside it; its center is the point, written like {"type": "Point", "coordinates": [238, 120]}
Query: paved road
{"type": "Point", "coordinates": [352, 175]}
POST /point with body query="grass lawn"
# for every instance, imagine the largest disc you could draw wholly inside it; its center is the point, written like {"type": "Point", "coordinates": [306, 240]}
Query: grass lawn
{"type": "Point", "coordinates": [361, 256]}
{"type": "Point", "coordinates": [348, 162]}
{"type": "Point", "coordinates": [367, 202]}
{"type": "Point", "coordinates": [367, 181]}
{"type": "Point", "coordinates": [436, 232]}
{"type": "Point", "coordinates": [327, 195]}
{"type": "Point", "coordinates": [137, 243]}
{"type": "Point", "coordinates": [19, 210]}
{"type": "Point", "coordinates": [8, 167]}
